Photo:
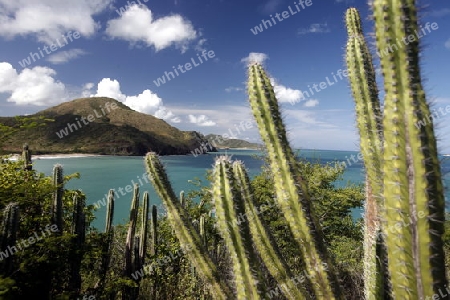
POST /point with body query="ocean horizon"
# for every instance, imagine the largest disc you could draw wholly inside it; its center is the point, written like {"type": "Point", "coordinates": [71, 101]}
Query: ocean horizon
{"type": "Point", "coordinates": [99, 174]}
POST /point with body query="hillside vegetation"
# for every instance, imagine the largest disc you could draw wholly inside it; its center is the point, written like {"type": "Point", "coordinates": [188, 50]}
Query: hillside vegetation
{"type": "Point", "coordinates": [101, 126]}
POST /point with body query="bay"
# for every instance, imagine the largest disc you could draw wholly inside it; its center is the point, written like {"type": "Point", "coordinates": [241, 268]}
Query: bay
{"type": "Point", "coordinates": [101, 173]}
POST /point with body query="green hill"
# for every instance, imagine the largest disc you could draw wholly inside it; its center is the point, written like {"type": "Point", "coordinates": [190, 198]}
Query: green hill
{"type": "Point", "coordinates": [220, 142]}
{"type": "Point", "coordinates": [100, 125]}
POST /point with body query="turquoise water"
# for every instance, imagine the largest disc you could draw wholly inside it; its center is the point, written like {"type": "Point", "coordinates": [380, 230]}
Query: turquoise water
{"type": "Point", "coordinates": [99, 174]}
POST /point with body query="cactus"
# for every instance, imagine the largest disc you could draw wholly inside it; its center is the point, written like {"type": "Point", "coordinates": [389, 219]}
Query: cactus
{"type": "Point", "coordinates": [154, 230]}
{"type": "Point", "coordinates": [26, 157]}
{"type": "Point", "coordinates": [369, 119]}
{"type": "Point", "coordinates": [184, 230]}
{"type": "Point", "coordinates": [413, 214]}
{"type": "Point", "coordinates": [228, 204]}
{"type": "Point", "coordinates": [291, 192]}
{"type": "Point", "coordinates": [263, 239]}
{"type": "Point", "coordinates": [203, 230]}
{"type": "Point", "coordinates": [57, 207]}
{"type": "Point", "coordinates": [144, 229]}
{"type": "Point", "coordinates": [130, 263]}
{"type": "Point", "coordinates": [9, 229]}
{"type": "Point", "coordinates": [182, 199]}
{"type": "Point", "coordinates": [79, 232]}
{"type": "Point", "coordinates": [107, 243]}
{"type": "Point", "coordinates": [154, 244]}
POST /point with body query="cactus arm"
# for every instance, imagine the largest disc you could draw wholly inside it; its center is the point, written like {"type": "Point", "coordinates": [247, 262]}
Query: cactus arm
{"type": "Point", "coordinates": [264, 241]}
{"type": "Point", "coordinates": [226, 202]}
{"type": "Point", "coordinates": [184, 230]}
{"type": "Point", "coordinates": [412, 183]}
{"type": "Point", "coordinates": [365, 93]}
{"type": "Point", "coordinates": [291, 193]}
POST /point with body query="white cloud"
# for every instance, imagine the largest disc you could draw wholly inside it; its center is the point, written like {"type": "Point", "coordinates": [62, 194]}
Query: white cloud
{"type": "Point", "coordinates": [21, 17]}
{"type": "Point", "coordinates": [255, 57]}
{"type": "Point", "coordinates": [201, 120]}
{"type": "Point", "coordinates": [34, 86]}
{"type": "Point", "coordinates": [285, 94]}
{"type": "Point", "coordinates": [137, 24]}
{"type": "Point", "coordinates": [314, 28]}
{"type": "Point", "coordinates": [65, 56]}
{"type": "Point", "coordinates": [311, 103]}
{"type": "Point", "coordinates": [147, 102]}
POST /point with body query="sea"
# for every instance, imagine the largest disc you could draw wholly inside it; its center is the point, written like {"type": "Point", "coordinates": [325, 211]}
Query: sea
{"type": "Point", "coordinates": [99, 174]}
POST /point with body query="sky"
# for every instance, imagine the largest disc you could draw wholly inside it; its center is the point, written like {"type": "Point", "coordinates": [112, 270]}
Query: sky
{"type": "Point", "coordinates": [185, 61]}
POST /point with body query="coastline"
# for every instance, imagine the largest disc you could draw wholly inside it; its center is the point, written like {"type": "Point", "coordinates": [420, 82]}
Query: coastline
{"type": "Point", "coordinates": [14, 157]}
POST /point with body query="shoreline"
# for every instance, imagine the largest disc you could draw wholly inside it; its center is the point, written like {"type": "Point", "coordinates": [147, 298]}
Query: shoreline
{"type": "Point", "coordinates": [14, 157]}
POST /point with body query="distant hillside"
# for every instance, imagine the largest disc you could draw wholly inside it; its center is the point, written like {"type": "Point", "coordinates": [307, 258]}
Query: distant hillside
{"type": "Point", "coordinates": [215, 139]}
{"type": "Point", "coordinates": [101, 125]}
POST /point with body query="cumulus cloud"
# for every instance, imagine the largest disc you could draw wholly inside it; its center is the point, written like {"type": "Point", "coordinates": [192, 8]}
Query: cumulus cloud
{"type": "Point", "coordinates": [65, 56]}
{"type": "Point", "coordinates": [34, 86]}
{"type": "Point", "coordinates": [284, 93]}
{"type": "Point", "coordinates": [147, 102]}
{"type": "Point", "coordinates": [255, 57]}
{"type": "Point", "coordinates": [311, 103]}
{"type": "Point", "coordinates": [201, 120]}
{"type": "Point", "coordinates": [137, 24]}
{"type": "Point", "coordinates": [18, 18]}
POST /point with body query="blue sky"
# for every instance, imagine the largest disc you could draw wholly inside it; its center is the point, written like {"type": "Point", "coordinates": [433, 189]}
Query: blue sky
{"type": "Point", "coordinates": [117, 49]}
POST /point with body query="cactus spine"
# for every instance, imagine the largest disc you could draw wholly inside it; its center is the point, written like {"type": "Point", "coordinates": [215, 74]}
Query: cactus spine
{"type": "Point", "coordinates": [365, 93]}
{"type": "Point", "coordinates": [57, 208]}
{"type": "Point", "coordinates": [413, 190]}
{"type": "Point", "coordinates": [184, 230]}
{"type": "Point", "coordinates": [291, 192]}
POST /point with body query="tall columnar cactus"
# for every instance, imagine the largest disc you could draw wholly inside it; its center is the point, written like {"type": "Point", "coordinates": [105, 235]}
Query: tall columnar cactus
{"type": "Point", "coordinates": [57, 206]}
{"type": "Point", "coordinates": [9, 229]}
{"type": "Point", "coordinates": [26, 157]}
{"type": "Point", "coordinates": [154, 245]}
{"type": "Point", "coordinates": [263, 239]}
{"type": "Point", "coordinates": [130, 263]}
{"type": "Point", "coordinates": [365, 93]}
{"type": "Point", "coordinates": [291, 191]}
{"type": "Point", "coordinates": [144, 229]}
{"type": "Point", "coordinates": [154, 231]}
{"type": "Point", "coordinates": [107, 243]}
{"type": "Point", "coordinates": [184, 230]}
{"type": "Point", "coordinates": [79, 232]}
{"type": "Point", "coordinates": [413, 217]}
{"type": "Point", "coordinates": [228, 204]}
{"type": "Point", "coordinates": [129, 247]}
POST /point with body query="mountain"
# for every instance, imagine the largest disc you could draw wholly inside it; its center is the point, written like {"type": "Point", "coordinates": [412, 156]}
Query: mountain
{"type": "Point", "coordinates": [100, 125]}
{"type": "Point", "coordinates": [220, 142]}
